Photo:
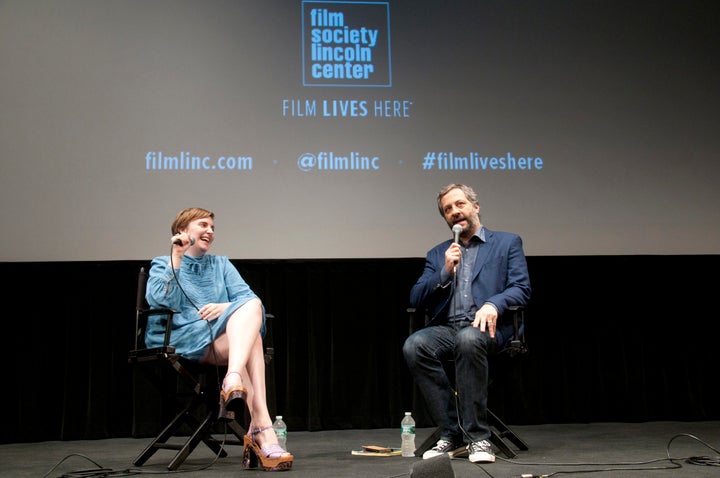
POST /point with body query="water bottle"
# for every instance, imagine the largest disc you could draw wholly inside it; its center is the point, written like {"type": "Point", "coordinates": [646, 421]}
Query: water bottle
{"type": "Point", "coordinates": [407, 427]}
{"type": "Point", "coordinates": [280, 431]}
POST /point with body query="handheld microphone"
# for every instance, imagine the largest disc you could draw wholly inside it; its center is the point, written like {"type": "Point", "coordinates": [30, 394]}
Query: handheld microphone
{"type": "Point", "coordinates": [178, 242]}
{"type": "Point", "coordinates": [456, 229]}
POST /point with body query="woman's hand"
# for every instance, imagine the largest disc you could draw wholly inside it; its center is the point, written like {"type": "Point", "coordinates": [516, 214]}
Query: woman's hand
{"type": "Point", "coordinates": [212, 311]}
{"type": "Point", "coordinates": [182, 241]}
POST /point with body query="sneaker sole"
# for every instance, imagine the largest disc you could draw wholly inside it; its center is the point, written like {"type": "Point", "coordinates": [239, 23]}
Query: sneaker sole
{"type": "Point", "coordinates": [482, 458]}
{"type": "Point", "coordinates": [427, 455]}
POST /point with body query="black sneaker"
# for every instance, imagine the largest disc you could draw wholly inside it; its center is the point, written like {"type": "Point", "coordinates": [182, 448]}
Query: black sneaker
{"type": "Point", "coordinates": [481, 452]}
{"type": "Point", "coordinates": [441, 447]}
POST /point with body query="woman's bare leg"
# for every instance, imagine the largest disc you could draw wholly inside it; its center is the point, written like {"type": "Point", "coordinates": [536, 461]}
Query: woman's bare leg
{"type": "Point", "coordinates": [233, 348]}
{"type": "Point", "coordinates": [241, 348]}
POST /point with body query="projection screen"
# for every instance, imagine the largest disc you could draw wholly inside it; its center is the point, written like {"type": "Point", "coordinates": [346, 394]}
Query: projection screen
{"type": "Point", "coordinates": [318, 129]}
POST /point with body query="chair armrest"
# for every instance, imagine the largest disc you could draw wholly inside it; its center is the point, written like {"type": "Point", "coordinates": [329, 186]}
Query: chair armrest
{"type": "Point", "coordinates": [417, 319]}
{"type": "Point", "coordinates": [143, 314]}
{"type": "Point", "coordinates": [517, 344]}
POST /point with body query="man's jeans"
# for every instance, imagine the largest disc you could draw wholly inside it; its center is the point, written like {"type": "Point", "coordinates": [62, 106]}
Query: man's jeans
{"type": "Point", "coordinates": [425, 351]}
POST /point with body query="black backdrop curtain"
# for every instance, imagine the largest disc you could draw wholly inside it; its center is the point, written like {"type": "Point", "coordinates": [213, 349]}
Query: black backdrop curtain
{"type": "Point", "coordinates": [619, 338]}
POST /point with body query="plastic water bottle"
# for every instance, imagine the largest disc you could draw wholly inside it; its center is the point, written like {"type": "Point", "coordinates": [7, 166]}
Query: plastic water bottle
{"type": "Point", "coordinates": [407, 427]}
{"type": "Point", "coordinates": [280, 431]}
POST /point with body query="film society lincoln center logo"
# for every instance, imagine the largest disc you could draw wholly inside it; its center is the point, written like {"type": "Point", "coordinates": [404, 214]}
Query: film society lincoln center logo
{"type": "Point", "coordinates": [346, 44]}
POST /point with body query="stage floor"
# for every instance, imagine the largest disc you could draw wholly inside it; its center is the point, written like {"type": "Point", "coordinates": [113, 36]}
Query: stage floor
{"type": "Point", "coordinates": [560, 449]}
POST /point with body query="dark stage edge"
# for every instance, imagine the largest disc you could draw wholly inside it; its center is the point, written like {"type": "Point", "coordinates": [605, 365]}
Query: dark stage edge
{"type": "Point", "coordinates": [328, 454]}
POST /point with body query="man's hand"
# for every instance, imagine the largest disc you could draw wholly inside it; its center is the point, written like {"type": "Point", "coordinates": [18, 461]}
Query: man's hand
{"type": "Point", "coordinates": [452, 257]}
{"type": "Point", "coordinates": [486, 317]}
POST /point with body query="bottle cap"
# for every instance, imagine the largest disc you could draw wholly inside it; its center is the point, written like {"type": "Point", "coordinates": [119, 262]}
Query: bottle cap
{"type": "Point", "coordinates": [278, 417]}
{"type": "Point", "coordinates": [408, 413]}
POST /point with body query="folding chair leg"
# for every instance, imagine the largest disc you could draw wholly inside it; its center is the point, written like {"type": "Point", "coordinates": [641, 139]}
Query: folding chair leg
{"type": "Point", "coordinates": [428, 443]}
{"type": "Point", "coordinates": [500, 431]}
{"type": "Point", "coordinates": [501, 445]}
{"type": "Point", "coordinates": [202, 433]}
{"type": "Point", "coordinates": [160, 441]}
{"type": "Point", "coordinates": [237, 429]}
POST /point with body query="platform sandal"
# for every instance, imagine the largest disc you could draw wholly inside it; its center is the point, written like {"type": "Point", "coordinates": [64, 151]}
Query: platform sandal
{"type": "Point", "coordinates": [269, 457]}
{"type": "Point", "coordinates": [232, 400]}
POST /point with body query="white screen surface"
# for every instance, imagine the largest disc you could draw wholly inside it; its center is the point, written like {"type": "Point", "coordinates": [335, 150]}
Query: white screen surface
{"type": "Point", "coordinates": [585, 127]}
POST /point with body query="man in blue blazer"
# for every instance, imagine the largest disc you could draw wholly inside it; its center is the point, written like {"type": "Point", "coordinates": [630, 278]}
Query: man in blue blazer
{"type": "Point", "coordinates": [467, 285]}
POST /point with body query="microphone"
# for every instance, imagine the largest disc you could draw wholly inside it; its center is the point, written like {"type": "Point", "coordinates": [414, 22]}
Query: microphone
{"type": "Point", "coordinates": [178, 242]}
{"type": "Point", "coordinates": [456, 229]}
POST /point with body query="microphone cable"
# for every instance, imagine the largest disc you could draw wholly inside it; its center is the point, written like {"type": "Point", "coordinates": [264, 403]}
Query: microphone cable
{"type": "Point", "coordinates": [210, 330]}
{"type": "Point", "coordinates": [453, 294]}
